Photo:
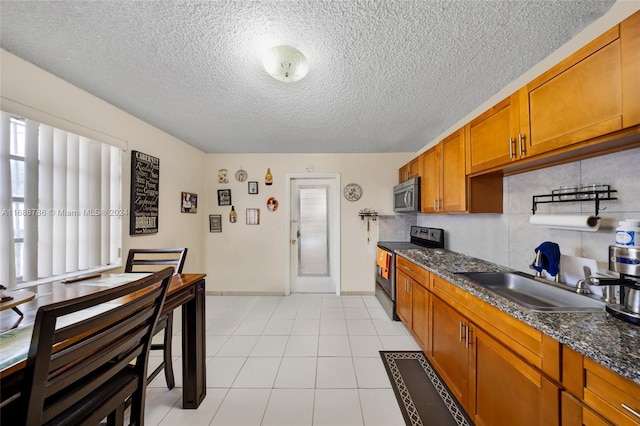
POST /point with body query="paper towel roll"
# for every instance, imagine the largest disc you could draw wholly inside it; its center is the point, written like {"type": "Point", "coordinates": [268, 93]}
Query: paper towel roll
{"type": "Point", "coordinates": [574, 222]}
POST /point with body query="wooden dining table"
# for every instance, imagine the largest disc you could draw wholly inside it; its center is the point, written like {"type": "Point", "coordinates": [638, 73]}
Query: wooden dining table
{"type": "Point", "coordinates": [186, 291]}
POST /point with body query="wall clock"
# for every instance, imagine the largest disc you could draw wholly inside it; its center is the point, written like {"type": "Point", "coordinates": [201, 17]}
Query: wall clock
{"type": "Point", "coordinates": [352, 192]}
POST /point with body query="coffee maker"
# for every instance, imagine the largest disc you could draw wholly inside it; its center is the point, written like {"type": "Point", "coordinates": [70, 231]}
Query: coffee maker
{"type": "Point", "coordinates": [626, 262]}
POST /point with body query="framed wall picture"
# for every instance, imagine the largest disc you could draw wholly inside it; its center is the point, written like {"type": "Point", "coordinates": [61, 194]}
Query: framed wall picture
{"type": "Point", "coordinates": [215, 223]}
{"type": "Point", "coordinates": [189, 202]}
{"type": "Point", "coordinates": [253, 216]}
{"type": "Point", "coordinates": [145, 189]}
{"type": "Point", "coordinates": [253, 187]}
{"type": "Point", "coordinates": [224, 197]}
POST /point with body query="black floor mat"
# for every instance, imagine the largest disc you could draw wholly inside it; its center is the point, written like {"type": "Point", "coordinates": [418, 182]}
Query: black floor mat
{"type": "Point", "coordinates": [423, 397]}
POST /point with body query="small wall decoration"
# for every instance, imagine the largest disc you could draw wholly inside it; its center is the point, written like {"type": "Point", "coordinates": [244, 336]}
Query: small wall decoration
{"type": "Point", "coordinates": [189, 203]}
{"type": "Point", "coordinates": [222, 176]}
{"type": "Point", "coordinates": [272, 204]}
{"type": "Point", "coordinates": [241, 175]}
{"type": "Point", "coordinates": [215, 223]}
{"type": "Point", "coordinates": [268, 178]}
{"type": "Point", "coordinates": [253, 216]}
{"type": "Point", "coordinates": [224, 197]}
{"type": "Point", "coordinates": [253, 187]}
{"type": "Point", "coordinates": [145, 181]}
{"type": "Point", "coordinates": [352, 192]}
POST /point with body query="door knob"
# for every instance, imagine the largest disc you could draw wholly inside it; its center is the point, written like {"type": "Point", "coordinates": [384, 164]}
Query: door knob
{"type": "Point", "coordinates": [293, 241]}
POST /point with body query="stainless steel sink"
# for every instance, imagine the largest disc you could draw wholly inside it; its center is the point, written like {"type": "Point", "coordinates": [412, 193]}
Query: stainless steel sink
{"type": "Point", "coordinates": [533, 294]}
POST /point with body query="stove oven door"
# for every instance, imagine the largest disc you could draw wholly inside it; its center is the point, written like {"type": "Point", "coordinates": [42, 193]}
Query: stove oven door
{"type": "Point", "coordinates": [385, 285]}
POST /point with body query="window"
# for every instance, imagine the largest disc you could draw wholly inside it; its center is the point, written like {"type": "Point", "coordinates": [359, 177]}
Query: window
{"type": "Point", "coordinates": [60, 202]}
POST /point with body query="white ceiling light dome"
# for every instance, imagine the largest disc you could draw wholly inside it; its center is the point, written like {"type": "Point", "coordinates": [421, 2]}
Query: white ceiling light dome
{"type": "Point", "coordinates": [285, 63]}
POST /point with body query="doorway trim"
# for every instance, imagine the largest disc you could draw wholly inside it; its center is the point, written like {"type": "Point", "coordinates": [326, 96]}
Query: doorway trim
{"type": "Point", "coordinates": [334, 230]}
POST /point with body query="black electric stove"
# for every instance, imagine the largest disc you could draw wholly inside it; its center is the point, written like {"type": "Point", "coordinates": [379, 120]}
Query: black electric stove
{"type": "Point", "coordinates": [421, 238]}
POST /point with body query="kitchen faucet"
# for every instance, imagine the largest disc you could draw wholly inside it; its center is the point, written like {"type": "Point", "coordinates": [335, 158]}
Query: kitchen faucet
{"type": "Point", "coordinates": [537, 263]}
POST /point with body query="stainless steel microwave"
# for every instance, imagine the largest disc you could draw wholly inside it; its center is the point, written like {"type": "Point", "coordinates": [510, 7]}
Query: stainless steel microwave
{"type": "Point", "coordinates": [406, 196]}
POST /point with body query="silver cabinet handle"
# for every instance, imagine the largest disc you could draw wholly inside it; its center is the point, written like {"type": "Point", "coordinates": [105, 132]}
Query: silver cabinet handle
{"type": "Point", "coordinates": [466, 345]}
{"type": "Point", "coordinates": [631, 410]}
{"type": "Point", "coordinates": [406, 267]}
{"type": "Point", "coordinates": [512, 142]}
{"type": "Point", "coordinates": [460, 332]}
{"type": "Point", "coordinates": [523, 149]}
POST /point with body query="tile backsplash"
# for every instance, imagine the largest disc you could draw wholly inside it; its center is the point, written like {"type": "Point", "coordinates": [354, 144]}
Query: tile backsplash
{"type": "Point", "coordinates": [509, 239]}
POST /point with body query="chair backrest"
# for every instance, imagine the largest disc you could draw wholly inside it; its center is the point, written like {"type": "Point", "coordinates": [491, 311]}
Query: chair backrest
{"type": "Point", "coordinates": [105, 347]}
{"type": "Point", "coordinates": [149, 260]}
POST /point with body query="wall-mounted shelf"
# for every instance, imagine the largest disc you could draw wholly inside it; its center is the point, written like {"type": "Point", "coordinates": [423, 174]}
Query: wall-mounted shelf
{"type": "Point", "coordinates": [599, 193]}
{"type": "Point", "coordinates": [368, 214]}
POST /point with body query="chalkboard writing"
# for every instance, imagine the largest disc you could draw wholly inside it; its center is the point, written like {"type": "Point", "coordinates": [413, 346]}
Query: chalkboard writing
{"type": "Point", "coordinates": [145, 179]}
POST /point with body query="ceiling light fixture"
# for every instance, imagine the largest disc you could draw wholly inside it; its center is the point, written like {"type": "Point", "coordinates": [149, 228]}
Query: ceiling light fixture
{"type": "Point", "coordinates": [285, 63]}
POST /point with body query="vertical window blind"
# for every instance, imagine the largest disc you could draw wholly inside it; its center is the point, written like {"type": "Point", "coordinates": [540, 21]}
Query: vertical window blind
{"type": "Point", "coordinates": [60, 202]}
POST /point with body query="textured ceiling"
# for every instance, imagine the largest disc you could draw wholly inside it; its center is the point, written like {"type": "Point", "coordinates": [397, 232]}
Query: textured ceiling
{"type": "Point", "coordinates": [385, 76]}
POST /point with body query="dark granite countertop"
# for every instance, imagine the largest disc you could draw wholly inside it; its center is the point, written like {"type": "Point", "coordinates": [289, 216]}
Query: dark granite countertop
{"type": "Point", "coordinates": [607, 340]}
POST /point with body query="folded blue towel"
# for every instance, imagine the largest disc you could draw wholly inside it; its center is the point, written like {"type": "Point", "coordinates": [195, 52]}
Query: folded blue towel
{"type": "Point", "coordinates": [549, 258]}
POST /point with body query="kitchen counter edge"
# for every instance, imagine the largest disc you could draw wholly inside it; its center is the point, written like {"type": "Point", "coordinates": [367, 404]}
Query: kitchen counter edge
{"type": "Point", "coordinates": [607, 340]}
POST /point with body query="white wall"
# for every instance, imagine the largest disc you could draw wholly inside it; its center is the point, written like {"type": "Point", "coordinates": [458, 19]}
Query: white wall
{"type": "Point", "coordinates": [181, 165]}
{"type": "Point", "coordinates": [251, 259]}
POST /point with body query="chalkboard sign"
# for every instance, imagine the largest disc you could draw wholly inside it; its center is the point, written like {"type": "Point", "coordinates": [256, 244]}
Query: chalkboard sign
{"type": "Point", "coordinates": [145, 179]}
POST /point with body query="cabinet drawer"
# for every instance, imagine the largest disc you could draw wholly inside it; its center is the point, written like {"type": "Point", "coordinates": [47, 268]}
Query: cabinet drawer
{"type": "Point", "coordinates": [613, 396]}
{"type": "Point", "coordinates": [416, 272]}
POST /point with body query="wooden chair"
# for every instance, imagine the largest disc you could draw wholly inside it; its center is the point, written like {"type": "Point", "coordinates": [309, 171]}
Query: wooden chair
{"type": "Point", "coordinates": [145, 260]}
{"type": "Point", "coordinates": [86, 371]}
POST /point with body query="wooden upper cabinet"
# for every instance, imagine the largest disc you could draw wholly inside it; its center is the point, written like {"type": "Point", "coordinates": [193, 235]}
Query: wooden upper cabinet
{"type": "Point", "coordinates": [578, 99]}
{"type": "Point", "coordinates": [443, 183]}
{"type": "Point", "coordinates": [494, 137]}
{"type": "Point", "coordinates": [575, 108]}
{"type": "Point", "coordinates": [453, 186]}
{"type": "Point", "coordinates": [409, 170]}
{"type": "Point", "coordinates": [630, 52]}
{"type": "Point", "coordinates": [430, 181]}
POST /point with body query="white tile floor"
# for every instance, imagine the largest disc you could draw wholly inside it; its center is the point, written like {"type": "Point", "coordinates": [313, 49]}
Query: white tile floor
{"type": "Point", "coordinates": [304, 359]}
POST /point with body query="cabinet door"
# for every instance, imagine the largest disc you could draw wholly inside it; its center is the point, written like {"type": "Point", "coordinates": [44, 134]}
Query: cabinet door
{"type": "Point", "coordinates": [492, 136]}
{"type": "Point", "coordinates": [409, 170]}
{"type": "Point", "coordinates": [579, 99]}
{"type": "Point", "coordinates": [454, 188]}
{"type": "Point", "coordinates": [506, 390]}
{"type": "Point", "coordinates": [430, 182]}
{"type": "Point", "coordinates": [448, 353]}
{"type": "Point", "coordinates": [630, 51]}
{"type": "Point", "coordinates": [420, 312]}
{"type": "Point", "coordinates": [403, 298]}
{"type": "Point", "coordinates": [403, 173]}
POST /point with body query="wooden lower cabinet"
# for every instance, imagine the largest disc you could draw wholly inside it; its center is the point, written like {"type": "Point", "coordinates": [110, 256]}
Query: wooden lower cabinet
{"type": "Point", "coordinates": [449, 354]}
{"type": "Point", "coordinates": [504, 390]}
{"type": "Point", "coordinates": [420, 315]}
{"type": "Point", "coordinates": [404, 308]}
{"type": "Point", "coordinates": [412, 300]}
{"type": "Point", "coordinates": [605, 396]}
{"type": "Point", "coordinates": [574, 413]}
{"type": "Point", "coordinates": [493, 385]}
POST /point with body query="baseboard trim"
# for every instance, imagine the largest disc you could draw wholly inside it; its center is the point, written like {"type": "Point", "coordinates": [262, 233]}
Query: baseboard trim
{"type": "Point", "coordinates": [244, 293]}
{"type": "Point", "coordinates": [279, 293]}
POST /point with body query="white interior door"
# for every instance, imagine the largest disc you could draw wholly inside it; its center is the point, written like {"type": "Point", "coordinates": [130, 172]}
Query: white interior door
{"type": "Point", "coordinates": [314, 235]}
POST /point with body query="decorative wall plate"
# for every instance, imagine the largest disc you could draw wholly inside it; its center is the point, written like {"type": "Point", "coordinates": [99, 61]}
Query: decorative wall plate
{"type": "Point", "coordinates": [241, 175]}
{"type": "Point", "coordinates": [352, 192]}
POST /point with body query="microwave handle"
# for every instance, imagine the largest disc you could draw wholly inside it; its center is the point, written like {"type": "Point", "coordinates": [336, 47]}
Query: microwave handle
{"type": "Point", "coordinates": [408, 198]}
